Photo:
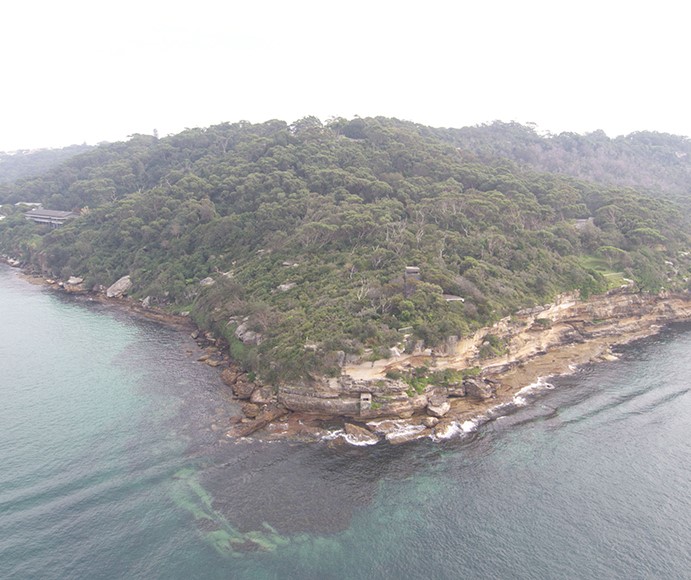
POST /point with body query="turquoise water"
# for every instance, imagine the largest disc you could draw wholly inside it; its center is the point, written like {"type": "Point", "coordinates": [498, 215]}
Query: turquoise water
{"type": "Point", "coordinates": [113, 464]}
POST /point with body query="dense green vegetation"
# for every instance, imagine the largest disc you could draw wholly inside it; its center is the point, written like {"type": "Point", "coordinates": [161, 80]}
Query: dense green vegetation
{"type": "Point", "coordinates": [656, 163]}
{"type": "Point", "coordinates": [27, 164]}
{"type": "Point", "coordinates": [306, 230]}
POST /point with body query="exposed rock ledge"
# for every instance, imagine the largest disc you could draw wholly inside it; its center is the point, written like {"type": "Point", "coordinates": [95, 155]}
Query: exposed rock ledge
{"type": "Point", "coordinates": [545, 340]}
{"type": "Point", "coordinates": [538, 341]}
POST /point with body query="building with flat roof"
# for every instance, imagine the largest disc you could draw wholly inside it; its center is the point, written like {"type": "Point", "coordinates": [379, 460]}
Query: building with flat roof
{"type": "Point", "coordinates": [52, 217]}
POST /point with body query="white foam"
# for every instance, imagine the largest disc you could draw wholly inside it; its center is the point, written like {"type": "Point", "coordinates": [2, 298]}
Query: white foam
{"type": "Point", "coordinates": [392, 425]}
{"type": "Point", "coordinates": [349, 439]}
{"type": "Point", "coordinates": [450, 430]}
{"type": "Point", "coordinates": [539, 385]}
{"type": "Point", "coordinates": [353, 441]}
{"type": "Point", "coordinates": [404, 431]}
{"type": "Point", "coordinates": [331, 435]}
{"type": "Point", "coordinates": [407, 430]}
{"type": "Point", "coordinates": [469, 426]}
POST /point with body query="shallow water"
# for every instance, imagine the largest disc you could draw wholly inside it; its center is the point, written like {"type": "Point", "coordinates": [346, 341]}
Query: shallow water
{"type": "Point", "coordinates": [115, 465]}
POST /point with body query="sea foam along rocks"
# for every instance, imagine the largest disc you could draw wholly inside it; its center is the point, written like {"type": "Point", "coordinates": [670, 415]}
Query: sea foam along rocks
{"type": "Point", "coordinates": [356, 435]}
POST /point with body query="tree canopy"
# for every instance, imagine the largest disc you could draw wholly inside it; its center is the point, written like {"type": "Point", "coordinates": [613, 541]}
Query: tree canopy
{"type": "Point", "coordinates": [306, 230]}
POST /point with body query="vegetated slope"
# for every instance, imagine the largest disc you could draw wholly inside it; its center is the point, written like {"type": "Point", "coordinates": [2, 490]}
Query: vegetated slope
{"type": "Point", "coordinates": [657, 163]}
{"type": "Point", "coordinates": [307, 229]}
{"type": "Point", "coordinates": [30, 163]}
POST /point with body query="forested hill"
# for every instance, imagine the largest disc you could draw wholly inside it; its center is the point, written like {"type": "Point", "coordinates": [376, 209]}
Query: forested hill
{"type": "Point", "coordinates": [26, 164]}
{"type": "Point", "coordinates": [295, 238]}
{"type": "Point", "coordinates": [657, 163]}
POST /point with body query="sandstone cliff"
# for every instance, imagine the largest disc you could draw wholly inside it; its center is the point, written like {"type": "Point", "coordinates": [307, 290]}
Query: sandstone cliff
{"type": "Point", "coordinates": [364, 391]}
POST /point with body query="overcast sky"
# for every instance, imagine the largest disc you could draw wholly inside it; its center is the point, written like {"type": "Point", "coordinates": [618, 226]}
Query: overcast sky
{"type": "Point", "coordinates": [87, 71]}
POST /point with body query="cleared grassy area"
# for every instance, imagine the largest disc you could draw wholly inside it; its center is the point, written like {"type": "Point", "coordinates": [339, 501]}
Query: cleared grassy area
{"type": "Point", "coordinates": [614, 279]}
{"type": "Point", "coordinates": [600, 265]}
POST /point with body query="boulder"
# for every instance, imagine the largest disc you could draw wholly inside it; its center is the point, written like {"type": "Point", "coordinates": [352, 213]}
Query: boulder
{"type": "Point", "coordinates": [120, 288]}
{"type": "Point", "coordinates": [406, 435]}
{"type": "Point", "coordinates": [250, 410]}
{"type": "Point", "coordinates": [437, 403]}
{"type": "Point", "coordinates": [265, 417]}
{"type": "Point", "coordinates": [436, 395]}
{"type": "Point", "coordinates": [74, 289]}
{"type": "Point", "coordinates": [479, 388]}
{"type": "Point", "coordinates": [208, 281]}
{"type": "Point", "coordinates": [398, 430]}
{"type": "Point", "coordinates": [247, 336]}
{"type": "Point", "coordinates": [229, 376]}
{"type": "Point", "coordinates": [456, 390]}
{"type": "Point", "coordinates": [430, 421]}
{"type": "Point", "coordinates": [74, 285]}
{"type": "Point", "coordinates": [359, 435]}
{"type": "Point", "coordinates": [262, 395]}
{"type": "Point", "coordinates": [313, 402]}
{"type": "Point", "coordinates": [403, 406]}
{"type": "Point", "coordinates": [386, 426]}
{"type": "Point", "coordinates": [438, 410]}
{"type": "Point", "coordinates": [242, 387]}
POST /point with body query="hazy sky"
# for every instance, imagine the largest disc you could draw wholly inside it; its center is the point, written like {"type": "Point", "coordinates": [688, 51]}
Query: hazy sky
{"type": "Point", "coordinates": [86, 71]}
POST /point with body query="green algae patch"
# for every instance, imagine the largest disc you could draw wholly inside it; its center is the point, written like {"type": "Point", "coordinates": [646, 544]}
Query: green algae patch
{"type": "Point", "coordinates": [190, 495]}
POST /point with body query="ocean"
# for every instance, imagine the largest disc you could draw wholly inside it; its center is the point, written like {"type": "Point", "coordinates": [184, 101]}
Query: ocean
{"type": "Point", "coordinates": [114, 464]}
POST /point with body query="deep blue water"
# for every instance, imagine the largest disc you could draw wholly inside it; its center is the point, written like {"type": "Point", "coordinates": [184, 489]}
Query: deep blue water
{"type": "Point", "coordinates": [114, 464]}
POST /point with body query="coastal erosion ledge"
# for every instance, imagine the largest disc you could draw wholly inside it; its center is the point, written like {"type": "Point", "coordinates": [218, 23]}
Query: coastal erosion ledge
{"type": "Point", "coordinates": [537, 342]}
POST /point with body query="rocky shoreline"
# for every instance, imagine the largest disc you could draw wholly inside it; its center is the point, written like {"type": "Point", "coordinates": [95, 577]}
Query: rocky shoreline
{"type": "Point", "coordinates": [366, 405]}
{"type": "Point", "coordinates": [371, 402]}
{"type": "Point", "coordinates": [132, 307]}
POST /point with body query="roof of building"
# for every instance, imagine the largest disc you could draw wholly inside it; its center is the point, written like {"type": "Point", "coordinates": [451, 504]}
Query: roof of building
{"type": "Point", "coordinates": [49, 213]}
